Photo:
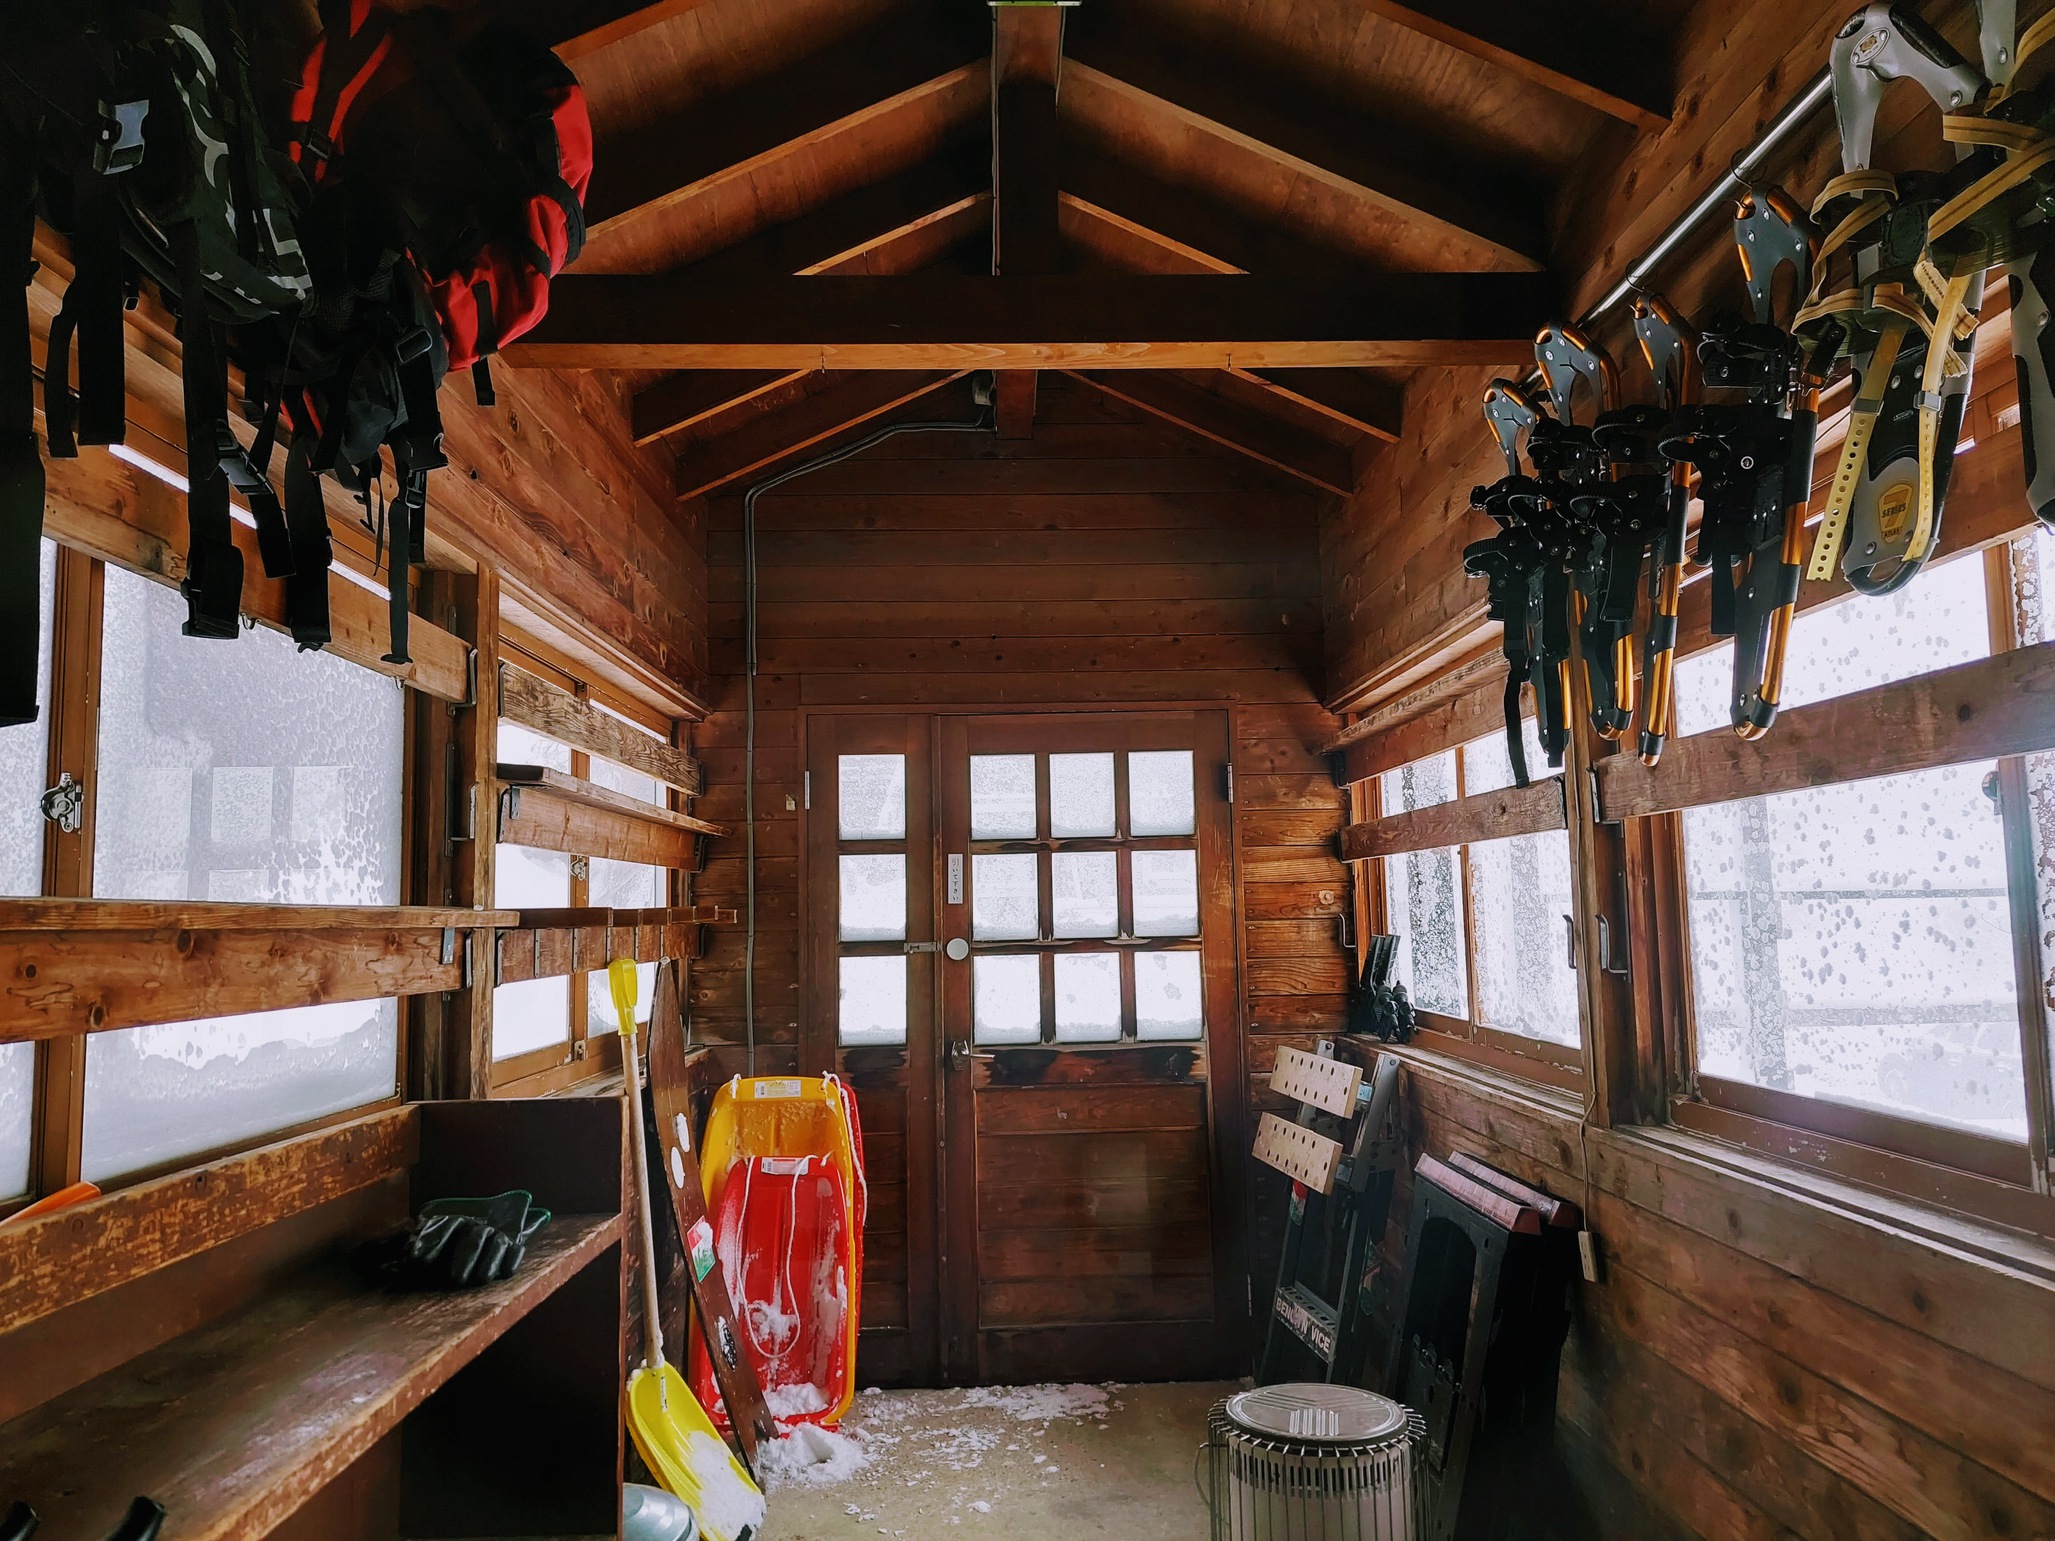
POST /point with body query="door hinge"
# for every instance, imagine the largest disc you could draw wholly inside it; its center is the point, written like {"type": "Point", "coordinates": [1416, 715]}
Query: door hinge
{"type": "Point", "coordinates": [1230, 782]}
{"type": "Point", "coordinates": [806, 791]}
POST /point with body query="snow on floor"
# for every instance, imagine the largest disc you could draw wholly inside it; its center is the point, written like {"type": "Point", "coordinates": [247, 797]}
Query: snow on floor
{"type": "Point", "coordinates": [1017, 1461]}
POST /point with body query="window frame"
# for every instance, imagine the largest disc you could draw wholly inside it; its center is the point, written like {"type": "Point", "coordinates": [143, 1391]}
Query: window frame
{"type": "Point", "coordinates": [584, 1055]}
{"type": "Point", "coordinates": [1539, 1059]}
{"type": "Point", "coordinates": [1979, 1173]}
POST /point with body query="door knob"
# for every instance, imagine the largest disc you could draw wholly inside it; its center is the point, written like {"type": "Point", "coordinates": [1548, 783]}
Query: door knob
{"type": "Point", "coordinates": [957, 950]}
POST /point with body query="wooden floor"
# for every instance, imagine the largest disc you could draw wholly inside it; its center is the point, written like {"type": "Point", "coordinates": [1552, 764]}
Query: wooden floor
{"type": "Point", "coordinates": [1107, 1461]}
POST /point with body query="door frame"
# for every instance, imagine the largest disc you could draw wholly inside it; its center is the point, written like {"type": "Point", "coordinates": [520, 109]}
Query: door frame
{"type": "Point", "coordinates": [1223, 1045]}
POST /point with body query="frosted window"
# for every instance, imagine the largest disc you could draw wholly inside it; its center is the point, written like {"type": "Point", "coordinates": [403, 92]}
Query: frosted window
{"type": "Point", "coordinates": [1853, 942]}
{"type": "Point", "coordinates": [1519, 894]}
{"type": "Point", "coordinates": [871, 793]}
{"type": "Point", "coordinates": [1168, 1000]}
{"type": "Point", "coordinates": [1159, 792]}
{"type": "Point", "coordinates": [620, 778]}
{"type": "Point", "coordinates": [1085, 890]}
{"type": "Point", "coordinates": [2033, 558]}
{"type": "Point", "coordinates": [24, 773]}
{"type": "Point", "coordinates": [1002, 797]}
{"type": "Point", "coordinates": [535, 1013]}
{"type": "Point", "coordinates": [1425, 783]}
{"type": "Point", "coordinates": [240, 769]}
{"type": "Point", "coordinates": [1005, 898]}
{"type": "Point", "coordinates": [1166, 893]}
{"type": "Point", "coordinates": [1080, 795]}
{"type": "Point", "coordinates": [1487, 767]}
{"type": "Point", "coordinates": [1423, 902]}
{"type": "Point", "coordinates": [17, 1089]}
{"type": "Point", "coordinates": [158, 1094]}
{"type": "Point", "coordinates": [873, 1000]}
{"type": "Point", "coordinates": [1087, 997]}
{"type": "Point", "coordinates": [618, 885]}
{"type": "Point", "coordinates": [873, 898]}
{"type": "Point", "coordinates": [1008, 999]}
{"type": "Point", "coordinates": [517, 745]}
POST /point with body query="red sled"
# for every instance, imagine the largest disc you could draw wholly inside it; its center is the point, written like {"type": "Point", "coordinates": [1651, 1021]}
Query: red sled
{"type": "Point", "coordinates": [782, 1241]}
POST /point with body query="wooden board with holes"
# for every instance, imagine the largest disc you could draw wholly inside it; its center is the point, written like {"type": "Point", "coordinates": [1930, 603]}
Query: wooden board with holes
{"type": "Point", "coordinates": [1299, 1153]}
{"type": "Point", "coordinates": [1327, 1084]}
{"type": "Point", "coordinates": [670, 1086]}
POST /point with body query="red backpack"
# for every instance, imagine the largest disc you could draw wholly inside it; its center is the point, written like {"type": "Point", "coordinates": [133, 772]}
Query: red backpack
{"type": "Point", "coordinates": [475, 139]}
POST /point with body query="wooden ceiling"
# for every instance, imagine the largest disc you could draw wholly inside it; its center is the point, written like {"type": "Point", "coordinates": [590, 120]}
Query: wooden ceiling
{"type": "Point", "coordinates": [799, 206]}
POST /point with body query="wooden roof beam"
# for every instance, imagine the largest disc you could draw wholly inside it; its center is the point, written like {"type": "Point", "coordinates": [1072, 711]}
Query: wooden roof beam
{"type": "Point", "coordinates": [1355, 400]}
{"type": "Point", "coordinates": [1027, 65]}
{"type": "Point", "coordinates": [576, 28]}
{"type": "Point", "coordinates": [1190, 406]}
{"type": "Point", "coordinates": [834, 92]}
{"type": "Point", "coordinates": [1480, 223]}
{"type": "Point", "coordinates": [893, 226]}
{"type": "Point", "coordinates": [1087, 321]}
{"type": "Point", "coordinates": [1557, 44]}
{"type": "Point", "coordinates": [846, 401]}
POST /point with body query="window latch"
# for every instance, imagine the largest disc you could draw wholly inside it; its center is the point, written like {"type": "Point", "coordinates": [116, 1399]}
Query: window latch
{"type": "Point", "coordinates": [65, 804]}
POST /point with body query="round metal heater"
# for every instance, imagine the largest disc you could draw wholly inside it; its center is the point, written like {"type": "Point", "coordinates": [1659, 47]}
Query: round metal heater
{"type": "Point", "coordinates": [1312, 1463]}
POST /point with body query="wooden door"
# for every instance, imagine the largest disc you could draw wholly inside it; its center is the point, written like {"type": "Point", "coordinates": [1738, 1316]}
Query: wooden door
{"type": "Point", "coordinates": [1085, 871]}
{"type": "Point", "coordinates": [869, 929]}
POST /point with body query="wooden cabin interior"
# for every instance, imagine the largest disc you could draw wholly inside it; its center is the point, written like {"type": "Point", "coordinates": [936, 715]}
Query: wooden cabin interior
{"type": "Point", "coordinates": [966, 589]}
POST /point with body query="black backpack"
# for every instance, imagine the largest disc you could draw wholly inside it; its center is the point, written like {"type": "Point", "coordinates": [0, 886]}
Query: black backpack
{"type": "Point", "coordinates": [132, 127]}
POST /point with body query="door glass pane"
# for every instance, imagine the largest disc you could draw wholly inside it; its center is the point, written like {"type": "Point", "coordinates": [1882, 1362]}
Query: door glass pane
{"type": "Point", "coordinates": [873, 1000]}
{"type": "Point", "coordinates": [871, 793]}
{"type": "Point", "coordinates": [1424, 902]}
{"type": "Point", "coordinates": [535, 1013]}
{"type": "Point", "coordinates": [1085, 890]}
{"type": "Point", "coordinates": [24, 773]}
{"type": "Point", "coordinates": [1520, 894]}
{"type": "Point", "coordinates": [1008, 999]}
{"type": "Point", "coordinates": [1166, 893]}
{"type": "Point", "coordinates": [1005, 898]}
{"type": "Point", "coordinates": [1002, 797]}
{"type": "Point", "coordinates": [874, 898]}
{"type": "Point", "coordinates": [1087, 997]}
{"type": "Point", "coordinates": [1168, 1001]}
{"type": "Point", "coordinates": [1159, 792]}
{"type": "Point", "coordinates": [240, 769]}
{"type": "Point", "coordinates": [1080, 796]}
{"type": "Point", "coordinates": [17, 1088]}
{"type": "Point", "coordinates": [155, 1094]}
{"type": "Point", "coordinates": [516, 745]}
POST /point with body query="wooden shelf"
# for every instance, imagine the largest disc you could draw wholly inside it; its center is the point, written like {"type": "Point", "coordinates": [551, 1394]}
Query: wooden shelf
{"type": "Point", "coordinates": [206, 915]}
{"type": "Point", "coordinates": [234, 1426]}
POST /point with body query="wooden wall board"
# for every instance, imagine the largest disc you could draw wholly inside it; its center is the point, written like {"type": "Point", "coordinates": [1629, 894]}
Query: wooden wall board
{"type": "Point", "coordinates": [1528, 810]}
{"type": "Point", "coordinates": [556, 713]}
{"type": "Point", "coordinates": [549, 821]}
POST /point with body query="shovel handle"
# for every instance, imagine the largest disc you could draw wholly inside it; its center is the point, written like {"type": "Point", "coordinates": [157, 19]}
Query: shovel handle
{"type": "Point", "coordinates": [631, 1109]}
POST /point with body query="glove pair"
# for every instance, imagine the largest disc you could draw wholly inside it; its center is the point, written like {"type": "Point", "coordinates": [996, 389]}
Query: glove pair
{"type": "Point", "coordinates": [455, 1244]}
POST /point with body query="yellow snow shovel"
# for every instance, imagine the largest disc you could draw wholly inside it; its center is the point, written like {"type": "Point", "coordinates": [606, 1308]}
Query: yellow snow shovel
{"type": "Point", "coordinates": [677, 1440]}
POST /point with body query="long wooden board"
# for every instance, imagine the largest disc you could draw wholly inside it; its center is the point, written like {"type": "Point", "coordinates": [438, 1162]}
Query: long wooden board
{"type": "Point", "coordinates": [1994, 706]}
{"type": "Point", "coordinates": [547, 819]}
{"type": "Point", "coordinates": [605, 799]}
{"type": "Point", "coordinates": [1482, 816]}
{"type": "Point", "coordinates": [670, 1087]}
{"type": "Point", "coordinates": [556, 713]}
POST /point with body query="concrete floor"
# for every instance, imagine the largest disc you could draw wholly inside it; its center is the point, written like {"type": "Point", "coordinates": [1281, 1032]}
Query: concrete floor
{"type": "Point", "coordinates": [1023, 1462]}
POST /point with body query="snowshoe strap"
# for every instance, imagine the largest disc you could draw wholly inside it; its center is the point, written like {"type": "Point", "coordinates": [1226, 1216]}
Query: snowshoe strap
{"type": "Point", "coordinates": [21, 463]}
{"type": "Point", "coordinates": [213, 584]}
{"type": "Point", "coordinates": [306, 517]}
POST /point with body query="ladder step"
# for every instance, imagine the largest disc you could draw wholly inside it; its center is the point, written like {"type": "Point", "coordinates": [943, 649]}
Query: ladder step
{"type": "Point", "coordinates": [1312, 1320]}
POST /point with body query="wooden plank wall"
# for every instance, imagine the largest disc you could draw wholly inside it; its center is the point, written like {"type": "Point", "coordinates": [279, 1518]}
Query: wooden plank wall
{"type": "Point", "coordinates": [1758, 1362]}
{"type": "Point", "coordinates": [1107, 560]}
{"type": "Point", "coordinates": [1755, 1363]}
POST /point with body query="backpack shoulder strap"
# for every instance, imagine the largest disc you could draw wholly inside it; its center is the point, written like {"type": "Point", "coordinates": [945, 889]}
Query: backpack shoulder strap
{"type": "Point", "coordinates": [21, 463]}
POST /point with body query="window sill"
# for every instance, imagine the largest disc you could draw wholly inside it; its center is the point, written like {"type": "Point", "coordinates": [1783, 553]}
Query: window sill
{"type": "Point", "coordinates": [2023, 1241]}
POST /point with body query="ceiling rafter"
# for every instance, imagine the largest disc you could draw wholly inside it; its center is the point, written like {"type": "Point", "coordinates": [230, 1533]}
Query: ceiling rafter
{"type": "Point", "coordinates": [1481, 222]}
{"type": "Point", "coordinates": [1556, 44]}
{"type": "Point", "coordinates": [844, 400]}
{"type": "Point", "coordinates": [834, 92]}
{"type": "Point", "coordinates": [1190, 406]}
{"type": "Point", "coordinates": [576, 28]}
{"type": "Point", "coordinates": [952, 320]}
{"type": "Point", "coordinates": [1027, 65]}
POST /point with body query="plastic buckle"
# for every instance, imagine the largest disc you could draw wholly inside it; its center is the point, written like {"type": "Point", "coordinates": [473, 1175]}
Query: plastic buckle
{"type": "Point", "coordinates": [118, 146]}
